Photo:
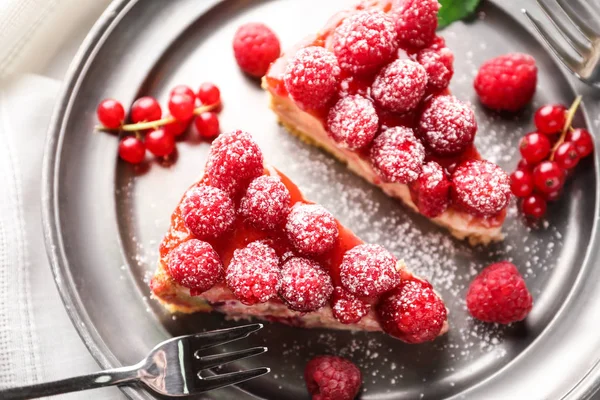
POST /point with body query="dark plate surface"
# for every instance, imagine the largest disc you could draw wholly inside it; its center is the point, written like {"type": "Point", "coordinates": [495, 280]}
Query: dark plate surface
{"type": "Point", "coordinates": [104, 220]}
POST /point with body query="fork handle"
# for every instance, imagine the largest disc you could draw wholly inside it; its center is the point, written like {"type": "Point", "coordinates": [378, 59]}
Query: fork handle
{"type": "Point", "coordinates": [111, 377]}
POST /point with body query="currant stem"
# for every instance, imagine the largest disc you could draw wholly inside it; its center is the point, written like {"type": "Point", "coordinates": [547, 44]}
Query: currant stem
{"type": "Point", "coordinates": [570, 115]}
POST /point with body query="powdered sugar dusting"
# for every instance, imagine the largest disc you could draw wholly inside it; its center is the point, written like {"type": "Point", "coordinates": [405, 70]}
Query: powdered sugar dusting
{"type": "Point", "coordinates": [400, 86]}
{"type": "Point", "coordinates": [369, 270]}
{"type": "Point", "coordinates": [194, 264]}
{"type": "Point", "coordinates": [353, 122]}
{"type": "Point", "coordinates": [207, 212]}
{"type": "Point", "coordinates": [305, 286]}
{"type": "Point", "coordinates": [266, 202]}
{"type": "Point", "coordinates": [397, 155]}
{"type": "Point", "coordinates": [311, 229]}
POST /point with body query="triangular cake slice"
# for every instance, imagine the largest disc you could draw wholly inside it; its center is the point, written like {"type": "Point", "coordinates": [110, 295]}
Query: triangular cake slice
{"type": "Point", "coordinates": [371, 88]}
{"type": "Point", "coordinates": [245, 242]}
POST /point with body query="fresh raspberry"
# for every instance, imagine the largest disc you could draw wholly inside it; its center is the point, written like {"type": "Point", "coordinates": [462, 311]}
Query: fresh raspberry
{"type": "Point", "coordinates": [311, 229]}
{"type": "Point", "coordinates": [266, 202]}
{"type": "Point", "coordinates": [207, 212]}
{"type": "Point", "coordinates": [312, 77]}
{"type": "Point", "coordinates": [234, 160]}
{"type": "Point", "coordinates": [397, 155]}
{"type": "Point", "coordinates": [480, 187]}
{"type": "Point", "coordinates": [253, 274]}
{"type": "Point", "coordinates": [353, 122]}
{"type": "Point", "coordinates": [347, 308]}
{"type": "Point", "coordinates": [438, 62]}
{"type": "Point", "coordinates": [332, 378]}
{"type": "Point", "coordinates": [416, 21]}
{"type": "Point", "coordinates": [507, 82]}
{"type": "Point", "coordinates": [499, 294]}
{"type": "Point", "coordinates": [255, 47]}
{"type": "Point", "coordinates": [447, 125]}
{"type": "Point", "coordinates": [194, 264]}
{"type": "Point", "coordinates": [400, 86]}
{"type": "Point", "coordinates": [305, 286]}
{"type": "Point", "coordinates": [364, 42]}
{"type": "Point", "coordinates": [431, 191]}
{"type": "Point", "coordinates": [412, 312]}
{"type": "Point", "coordinates": [369, 270]}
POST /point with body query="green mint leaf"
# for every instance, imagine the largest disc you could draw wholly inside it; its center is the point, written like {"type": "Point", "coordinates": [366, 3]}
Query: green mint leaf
{"type": "Point", "coordinates": [455, 10]}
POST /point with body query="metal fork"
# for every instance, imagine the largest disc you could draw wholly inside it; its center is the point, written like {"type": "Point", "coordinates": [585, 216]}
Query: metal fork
{"type": "Point", "coordinates": [171, 369]}
{"type": "Point", "coordinates": [585, 43]}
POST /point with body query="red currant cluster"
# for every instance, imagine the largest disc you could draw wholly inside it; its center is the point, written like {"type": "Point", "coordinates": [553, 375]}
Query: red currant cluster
{"type": "Point", "coordinates": [548, 156]}
{"type": "Point", "coordinates": [150, 131]}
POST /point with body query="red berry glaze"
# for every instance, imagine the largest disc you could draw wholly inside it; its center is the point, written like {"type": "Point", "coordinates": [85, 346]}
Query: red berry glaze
{"type": "Point", "coordinates": [207, 212]}
{"type": "Point", "coordinates": [416, 22]}
{"type": "Point", "coordinates": [208, 94]}
{"type": "Point", "coordinates": [311, 229]}
{"type": "Point", "coordinates": [305, 286]}
{"type": "Point", "coordinates": [207, 125]}
{"type": "Point", "coordinates": [566, 155]}
{"type": "Point", "coordinates": [507, 82]}
{"type": "Point", "coordinates": [266, 203]}
{"type": "Point", "coordinates": [521, 183]}
{"type": "Point", "coordinates": [438, 64]}
{"type": "Point", "coordinates": [312, 77]}
{"type": "Point", "coordinates": [412, 312]}
{"type": "Point", "coordinates": [234, 160]}
{"type": "Point", "coordinates": [499, 294]}
{"type": "Point", "coordinates": [534, 205]}
{"type": "Point", "coordinates": [550, 119]}
{"type": "Point", "coordinates": [183, 89]}
{"type": "Point", "coordinates": [400, 86]}
{"type": "Point", "coordinates": [195, 265]}
{"type": "Point", "coordinates": [447, 125]}
{"type": "Point", "coordinates": [583, 141]}
{"type": "Point", "coordinates": [176, 128]}
{"type": "Point", "coordinates": [332, 378]}
{"type": "Point", "coordinates": [480, 187]}
{"type": "Point", "coordinates": [145, 109]}
{"type": "Point", "coordinates": [369, 270]}
{"type": "Point", "coordinates": [534, 147]}
{"type": "Point", "coordinates": [253, 274]}
{"type": "Point", "coordinates": [347, 308]}
{"type": "Point", "coordinates": [160, 143]}
{"type": "Point", "coordinates": [181, 106]}
{"type": "Point", "coordinates": [132, 150]}
{"type": "Point", "coordinates": [353, 122]}
{"type": "Point", "coordinates": [255, 47]}
{"type": "Point", "coordinates": [548, 177]}
{"type": "Point", "coordinates": [111, 113]}
{"type": "Point", "coordinates": [364, 42]}
{"type": "Point", "coordinates": [397, 155]}
{"type": "Point", "coordinates": [431, 191]}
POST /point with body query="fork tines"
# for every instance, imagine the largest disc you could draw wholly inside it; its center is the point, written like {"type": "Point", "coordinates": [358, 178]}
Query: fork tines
{"type": "Point", "coordinates": [206, 340]}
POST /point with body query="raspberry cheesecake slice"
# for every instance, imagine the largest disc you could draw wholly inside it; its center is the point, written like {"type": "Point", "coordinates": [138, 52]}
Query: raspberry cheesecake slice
{"type": "Point", "coordinates": [245, 242]}
{"type": "Point", "coordinates": [372, 89]}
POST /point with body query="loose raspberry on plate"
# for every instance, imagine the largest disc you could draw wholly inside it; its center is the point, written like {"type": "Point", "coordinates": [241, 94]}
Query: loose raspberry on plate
{"type": "Point", "coordinates": [438, 62]}
{"type": "Point", "coordinates": [195, 265]}
{"type": "Point", "coordinates": [507, 82]}
{"type": "Point", "coordinates": [416, 21]}
{"type": "Point", "coordinates": [332, 378]}
{"type": "Point", "coordinates": [347, 308]}
{"type": "Point", "coordinates": [369, 270]}
{"type": "Point", "coordinates": [207, 212]}
{"type": "Point", "coordinates": [431, 191]}
{"type": "Point", "coordinates": [412, 312]}
{"type": "Point", "coordinates": [305, 286]}
{"type": "Point", "coordinates": [311, 229]}
{"type": "Point", "coordinates": [499, 294]}
{"type": "Point", "coordinates": [397, 155]}
{"type": "Point", "coordinates": [234, 160]}
{"type": "Point", "coordinates": [400, 85]}
{"type": "Point", "coordinates": [253, 274]}
{"type": "Point", "coordinates": [312, 77]}
{"type": "Point", "coordinates": [480, 187]}
{"type": "Point", "coordinates": [353, 122]}
{"type": "Point", "coordinates": [364, 42]}
{"type": "Point", "coordinates": [255, 47]}
{"type": "Point", "coordinates": [447, 125]}
{"type": "Point", "coordinates": [266, 203]}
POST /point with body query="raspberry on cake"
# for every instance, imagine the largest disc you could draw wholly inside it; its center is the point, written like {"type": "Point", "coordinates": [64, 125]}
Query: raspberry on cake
{"type": "Point", "coordinates": [377, 99]}
{"type": "Point", "coordinates": [260, 249]}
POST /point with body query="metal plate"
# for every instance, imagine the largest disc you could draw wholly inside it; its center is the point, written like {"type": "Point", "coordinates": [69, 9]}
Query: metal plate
{"type": "Point", "coordinates": [103, 220]}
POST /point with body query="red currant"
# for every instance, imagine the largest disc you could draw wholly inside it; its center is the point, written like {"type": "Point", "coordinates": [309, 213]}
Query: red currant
{"type": "Point", "coordinates": [209, 94]}
{"type": "Point", "coordinates": [110, 113]}
{"type": "Point", "coordinates": [534, 147]}
{"type": "Point", "coordinates": [132, 150]}
{"type": "Point", "coordinates": [181, 106]}
{"type": "Point", "coordinates": [521, 183]}
{"type": "Point", "coordinates": [534, 206]}
{"type": "Point", "coordinates": [207, 125]}
{"type": "Point", "coordinates": [553, 196]}
{"type": "Point", "coordinates": [548, 177]}
{"type": "Point", "coordinates": [183, 89]}
{"type": "Point", "coordinates": [524, 165]}
{"type": "Point", "coordinates": [145, 109]}
{"type": "Point", "coordinates": [160, 143]}
{"type": "Point", "coordinates": [583, 141]}
{"type": "Point", "coordinates": [566, 155]}
{"type": "Point", "coordinates": [551, 118]}
{"type": "Point", "coordinates": [177, 127]}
